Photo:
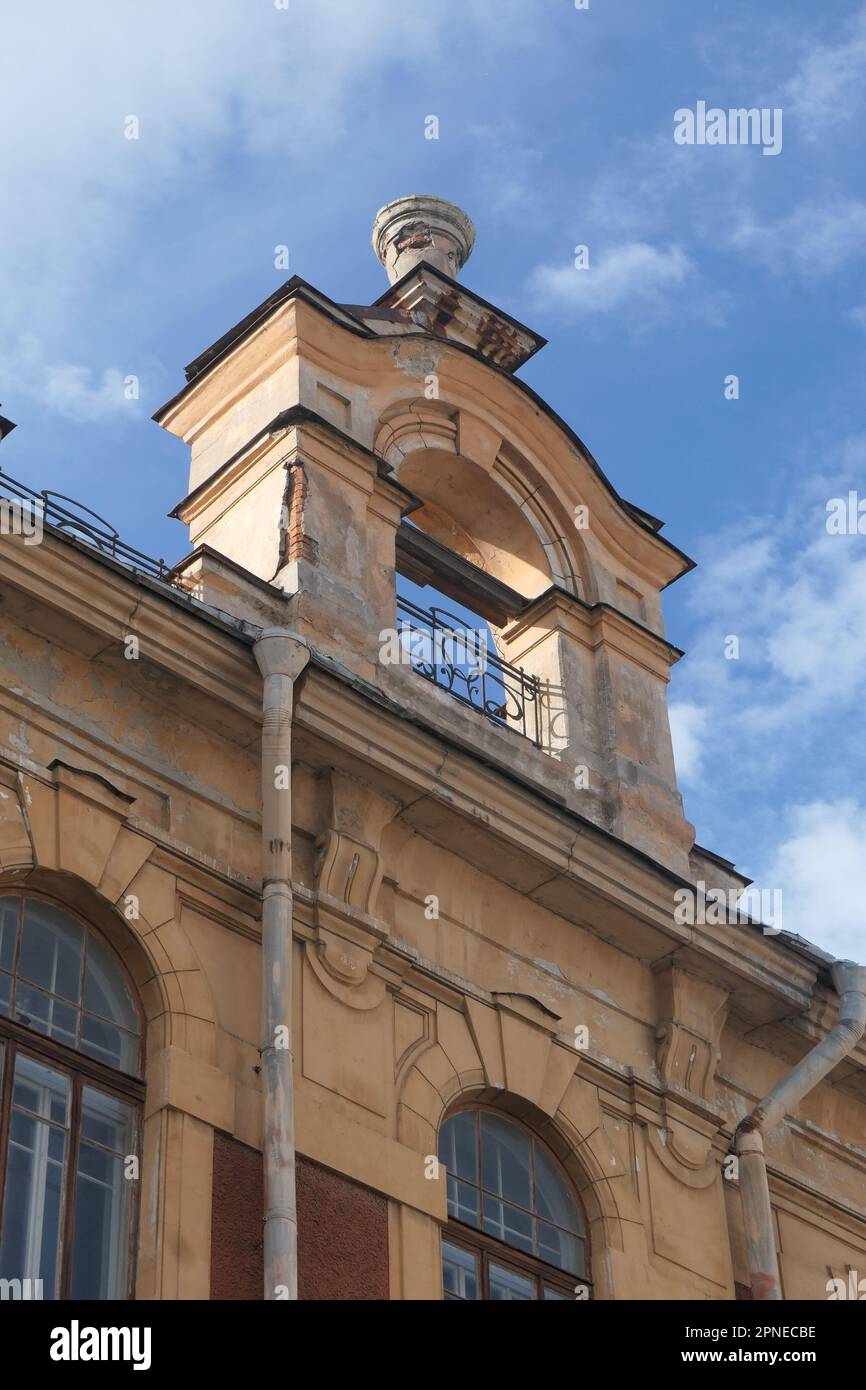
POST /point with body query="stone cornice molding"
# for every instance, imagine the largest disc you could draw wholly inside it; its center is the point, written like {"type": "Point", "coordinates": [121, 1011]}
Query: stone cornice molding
{"type": "Point", "coordinates": [594, 625]}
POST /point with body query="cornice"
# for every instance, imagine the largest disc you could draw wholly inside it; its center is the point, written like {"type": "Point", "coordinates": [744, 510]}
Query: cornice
{"type": "Point", "coordinates": [597, 624]}
{"type": "Point", "coordinates": [205, 652]}
{"type": "Point", "coordinates": [286, 427]}
{"type": "Point", "coordinates": [559, 858]}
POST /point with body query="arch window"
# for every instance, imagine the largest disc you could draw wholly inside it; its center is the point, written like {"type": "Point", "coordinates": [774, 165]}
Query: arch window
{"type": "Point", "coordinates": [70, 1098]}
{"type": "Point", "coordinates": [515, 1232]}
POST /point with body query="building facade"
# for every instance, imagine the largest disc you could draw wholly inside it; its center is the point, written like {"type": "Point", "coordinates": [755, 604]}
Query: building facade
{"type": "Point", "coordinates": [513, 1036]}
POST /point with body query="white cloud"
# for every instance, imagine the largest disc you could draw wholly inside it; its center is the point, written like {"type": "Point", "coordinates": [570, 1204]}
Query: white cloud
{"type": "Point", "coordinates": [820, 867]}
{"type": "Point", "coordinates": [636, 194]}
{"type": "Point", "coordinates": [816, 238]}
{"type": "Point", "coordinates": [72, 393]}
{"type": "Point", "coordinates": [829, 83]}
{"type": "Point", "coordinates": [652, 193]}
{"type": "Point", "coordinates": [215, 85]}
{"type": "Point", "coordinates": [795, 598]}
{"type": "Point", "coordinates": [632, 275]}
{"type": "Point", "coordinates": [688, 732]}
{"type": "Point", "coordinates": [68, 390]}
{"type": "Point", "coordinates": [765, 742]}
{"type": "Point", "coordinates": [654, 186]}
{"type": "Point", "coordinates": [818, 637]}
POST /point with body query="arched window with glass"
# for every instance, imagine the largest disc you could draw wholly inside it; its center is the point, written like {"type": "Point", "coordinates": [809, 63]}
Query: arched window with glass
{"type": "Point", "coordinates": [515, 1230]}
{"type": "Point", "coordinates": [70, 1101]}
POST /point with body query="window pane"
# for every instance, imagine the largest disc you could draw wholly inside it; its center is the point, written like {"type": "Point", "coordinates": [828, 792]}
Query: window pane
{"type": "Point", "coordinates": [560, 1248]}
{"type": "Point", "coordinates": [459, 1272]}
{"type": "Point", "coordinates": [105, 990]}
{"type": "Point", "coordinates": [523, 1201]}
{"type": "Point", "coordinates": [32, 1207]}
{"type": "Point", "coordinates": [463, 1202]}
{"type": "Point", "coordinates": [107, 1121]}
{"type": "Point", "coordinates": [507, 1286]}
{"type": "Point", "coordinates": [5, 994]}
{"type": "Point", "coordinates": [506, 1158]}
{"type": "Point", "coordinates": [102, 1200]}
{"type": "Point", "coordinates": [40, 1089]}
{"type": "Point", "coordinates": [508, 1223]}
{"type": "Point", "coordinates": [458, 1145]}
{"type": "Point", "coordinates": [46, 1014]}
{"type": "Point", "coordinates": [8, 932]}
{"type": "Point", "coordinates": [553, 1200]}
{"type": "Point", "coordinates": [553, 1295]}
{"type": "Point", "coordinates": [51, 950]}
{"type": "Point", "coordinates": [109, 1044]}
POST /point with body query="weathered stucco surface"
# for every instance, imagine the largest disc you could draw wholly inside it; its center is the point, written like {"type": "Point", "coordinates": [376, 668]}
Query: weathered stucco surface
{"type": "Point", "coordinates": [137, 779]}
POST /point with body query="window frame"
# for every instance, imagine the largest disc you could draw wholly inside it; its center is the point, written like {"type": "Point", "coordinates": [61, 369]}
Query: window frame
{"type": "Point", "coordinates": [487, 1248]}
{"type": "Point", "coordinates": [82, 1070]}
{"type": "Point", "coordinates": [22, 894]}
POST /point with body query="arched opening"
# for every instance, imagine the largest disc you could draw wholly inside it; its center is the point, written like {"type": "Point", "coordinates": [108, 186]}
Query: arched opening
{"type": "Point", "coordinates": [465, 509]}
{"type": "Point", "coordinates": [493, 508]}
{"type": "Point", "coordinates": [487, 540]}
{"type": "Point", "coordinates": [71, 1093]}
{"type": "Point", "coordinates": [516, 1231]}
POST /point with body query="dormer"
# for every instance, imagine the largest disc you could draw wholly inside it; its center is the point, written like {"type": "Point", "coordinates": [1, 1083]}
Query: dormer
{"type": "Point", "coordinates": [337, 447]}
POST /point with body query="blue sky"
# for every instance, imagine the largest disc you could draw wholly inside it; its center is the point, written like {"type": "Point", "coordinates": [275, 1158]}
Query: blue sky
{"type": "Point", "coordinates": [262, 126]}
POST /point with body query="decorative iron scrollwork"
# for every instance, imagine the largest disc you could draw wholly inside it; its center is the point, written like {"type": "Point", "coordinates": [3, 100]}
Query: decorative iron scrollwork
{"type": "Point", "coordinates": [443, 650]}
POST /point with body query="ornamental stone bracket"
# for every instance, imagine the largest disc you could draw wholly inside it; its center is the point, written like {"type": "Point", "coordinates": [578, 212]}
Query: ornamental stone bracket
{"type": "Point", "coordinates": [691, 1016]}
{"type": "Point", "coordinates": [348, 878]}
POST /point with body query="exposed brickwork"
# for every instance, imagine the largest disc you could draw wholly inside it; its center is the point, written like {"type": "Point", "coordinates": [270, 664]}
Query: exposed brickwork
{"type": "Point", "coordinates": [342, 1230]}
{"type": "Point", "coordinates": [342, 1237]}
{"type": "Point", "coordinates": [294, 544]}
{"type": "Point", "coordinates": [236, 1268]}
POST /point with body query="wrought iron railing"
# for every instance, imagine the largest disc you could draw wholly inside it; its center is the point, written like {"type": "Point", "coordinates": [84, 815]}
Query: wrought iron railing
{"type": "Point", "coordinates": [85, 525]}
{"type": "Point", "coordinates": [442, 649]}
{"type": "Point", "coordinates": [437, 644]}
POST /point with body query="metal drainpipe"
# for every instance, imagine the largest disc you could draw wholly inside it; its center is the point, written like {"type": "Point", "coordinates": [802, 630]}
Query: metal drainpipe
{"type": "Point", "coordinates": [281, 657]}
{"type": "Point", "coordinates": [849, 981]}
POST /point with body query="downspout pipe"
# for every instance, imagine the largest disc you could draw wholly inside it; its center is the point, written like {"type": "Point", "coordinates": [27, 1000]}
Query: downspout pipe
{"type": "Point", "coordinates": [281, 657]}
{"type": "Point", "coordinates": [849, 981]}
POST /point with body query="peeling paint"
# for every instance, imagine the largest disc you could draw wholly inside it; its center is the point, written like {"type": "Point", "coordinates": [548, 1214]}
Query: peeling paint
{"type": "Point", "coordinates": [605, 998]}
{"type": "Point", "coordinates": [19, 741]}
{"type": "Point", "coordinates": [552, 966]}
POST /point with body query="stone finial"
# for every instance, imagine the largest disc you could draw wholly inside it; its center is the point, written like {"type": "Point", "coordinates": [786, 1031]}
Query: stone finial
{"type": "Point", "coordinates": [422, 228]}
